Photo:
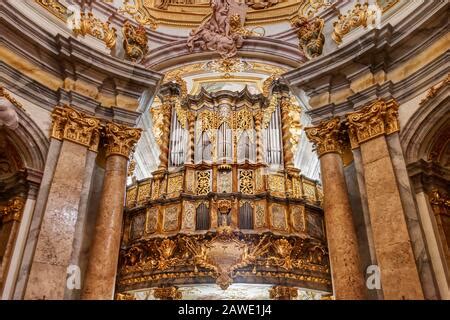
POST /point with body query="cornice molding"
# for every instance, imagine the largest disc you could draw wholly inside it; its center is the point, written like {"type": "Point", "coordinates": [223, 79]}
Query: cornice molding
{"type": "Point", "coordinates": [369, 46]}
{"type": "Point", "coordinates": [402, 91]}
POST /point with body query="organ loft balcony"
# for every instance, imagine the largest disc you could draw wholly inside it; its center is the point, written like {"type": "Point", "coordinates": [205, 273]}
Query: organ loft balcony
{"type": "Point", "coordinates": [226, 205]}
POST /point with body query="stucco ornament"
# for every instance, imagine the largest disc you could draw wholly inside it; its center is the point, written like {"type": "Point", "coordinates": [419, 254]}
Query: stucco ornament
{"type": "Point", "coordinates": [8, 114]}
{"type": "Point", "coordinates": [215, 33]}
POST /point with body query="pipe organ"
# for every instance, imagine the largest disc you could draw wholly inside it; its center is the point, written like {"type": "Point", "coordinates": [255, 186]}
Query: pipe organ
{"type": "Point", "coordinates": [227, 206]}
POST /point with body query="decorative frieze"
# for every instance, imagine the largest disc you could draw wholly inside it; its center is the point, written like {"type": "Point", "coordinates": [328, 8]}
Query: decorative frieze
{"type": "Point", "coordinates": [325, 136]}
{"type": "Point", "coordinates": [377, 119]}
{"type": "Point", "coordinates": [120, 139]}
{"type": "Point", "coordinates": [55, 8]}
{"type": "Point", "coordinates": [75, 126]}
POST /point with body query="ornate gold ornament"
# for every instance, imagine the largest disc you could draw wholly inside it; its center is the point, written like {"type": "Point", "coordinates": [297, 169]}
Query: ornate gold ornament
{"type": "Point", "coordinates": [131, 197]}
{"type": "Point", "coordinates": [326, 136]}
{"type": "Point", "coordinates": [175, 185]}
{"type": "Point", "coordinates": [227, 66]}
{"type": "Point", "coordinates": [90, 25]}
{"type": "Point", "coordinates": [13, 210]}
{"type": "Point", "coordinates": [310, 35]}
{"type": "Point", "coordinates": [75, 126]}
{"type": "Point", "coordinates": [167, 293]}
{"type": "Point", "coordinates": [359, 16]}
{"type": "Point", "coordinates": [237, 27]}
{"type": "Point", "coordinates": [135, 41]}
{"type": "Point", "coordinates": [246, 185]}
{"type": "Point", "coordinates": [55, 8]}
{"type": "Point", "coordinates": [376, 119]}
{"type": "Point", "coordinates": [143, 193]}
{"type": "Point", "coordinates": [283, 293]}
{"type": "Point", "coordinates": [139, 12]}
{"type": "Point", "coordinates": [125, 296]}
{"type": "Point", "coordinates": [440, 202]}
{"type": "Point", "coordinates": [224, 256]}
{"type": "Point", "coordinates": [120, 139]}
{"type": "Point", "coordinates": [276, 184]}
{"type": "Point", "coordinates": [309, 191]}
{"type": "Point", "coordinates": [203, 182]}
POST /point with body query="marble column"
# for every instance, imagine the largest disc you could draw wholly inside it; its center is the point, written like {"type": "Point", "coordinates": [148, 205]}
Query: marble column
{"type": "Point", "coordinates": [347, 275]}
{"type": "Point", "coordinates": [367, 128]}
{"type": "Point", "coordinates": [80, 236]}
{"type": "Point", "coordinates": [100, 279]}
{"type": "Point", "coordinates": [412, 217]}
{"type": "Point", "coordinates": [36, 218]}
{"type": "Point", "coordinates": [47, 279]}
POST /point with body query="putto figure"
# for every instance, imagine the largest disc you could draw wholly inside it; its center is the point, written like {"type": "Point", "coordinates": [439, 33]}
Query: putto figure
{"type": "Point", "coordinates": [215, 33]}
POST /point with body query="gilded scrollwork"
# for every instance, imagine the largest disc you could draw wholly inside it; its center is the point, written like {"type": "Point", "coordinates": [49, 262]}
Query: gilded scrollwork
{"type": "Point", "coordinates": [310, 35]}
{"type": "Point", "coordinates": [359, 16]}
{"type": "Point", "coordinates": [298, 218]}
{"type": "Point", "coordinates": [223, 257]}
{"type": "Point", "coordinates": [90, 25]}
{"type": "Point", "coordinates": [203, 182]}
{"type": "Point", "coordinates": [13, 210]}
{"type": "Point", "coordinates": [246, 184]}
{"type": "Point", "coordinates": [135, 41]}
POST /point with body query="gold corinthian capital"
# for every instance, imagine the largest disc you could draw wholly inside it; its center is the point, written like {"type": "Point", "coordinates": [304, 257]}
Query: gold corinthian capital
{"type": "Point", "coordinates": [378, 118]}
{"type": "Point", "coordinates": [120, 139]}
{"type": "Point", "coordinates": [75, 126]}
{"type": "Point", "coordinates": [325, 136]}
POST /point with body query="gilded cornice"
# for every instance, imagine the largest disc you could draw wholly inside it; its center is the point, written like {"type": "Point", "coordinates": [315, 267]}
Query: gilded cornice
{"type": "Point", "coordinates": [55, 8]}
{"type": "Point", "coordinates": [75, 126]}
{"type": "Point", "coordinates": [120, 139]}
{"type": "Point", "coordinates": [8, 97]}
{"type": "Point", "coordinates": [374, 120]}
{"type": "Point", "coordinates": [326, 136]}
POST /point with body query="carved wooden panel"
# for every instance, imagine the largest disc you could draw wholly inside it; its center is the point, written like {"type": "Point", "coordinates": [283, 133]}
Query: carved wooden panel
{"type": "Point", "coordinates": [170, 221]}
{"type": "Point", "coordinates": [137, 226]}
{"type": "Point", "coordinates": [203, 182]}
{"type": "Point", "coordinates": [246, 185]}
{"type": "Point", "coordinates": [143, 193]}
{"type": "Point", "coordinates": [279, 221]}
{"type": "Point", "coordinates": [188, 221]}
{"type": "Point", "coordinates": [260, 214]}
{"type": "Point", "coordinates": [298, 218]}
{"type": "Point", "coordinates": [151, 223]}
{"type": "Point", "coordinates": [131, 197]}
